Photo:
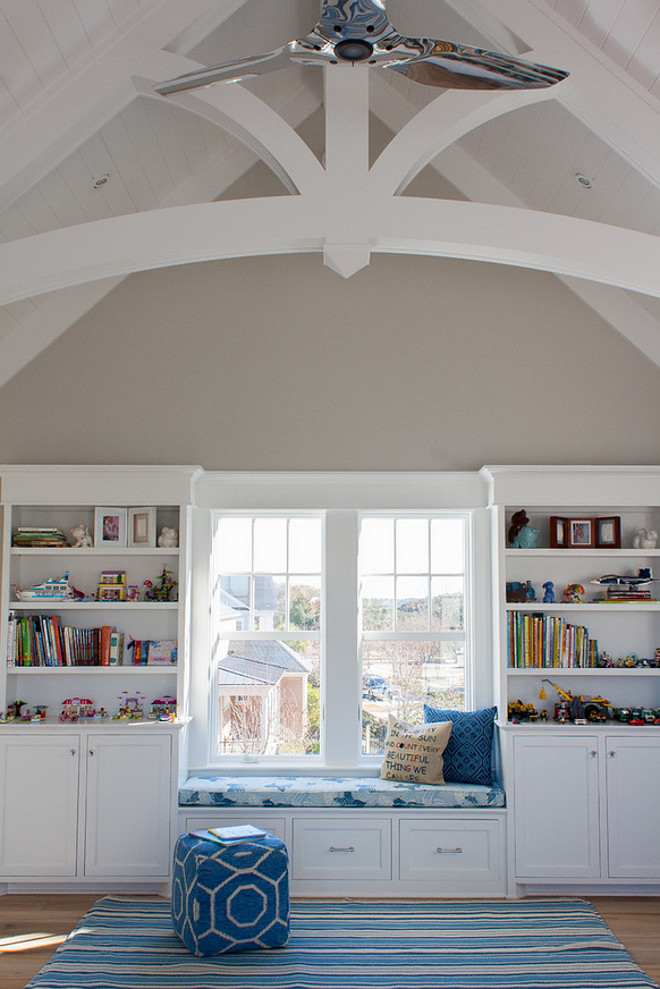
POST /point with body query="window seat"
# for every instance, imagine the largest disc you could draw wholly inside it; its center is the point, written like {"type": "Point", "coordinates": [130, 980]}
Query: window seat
{"type": "Point", "coordinates": [335, 791]}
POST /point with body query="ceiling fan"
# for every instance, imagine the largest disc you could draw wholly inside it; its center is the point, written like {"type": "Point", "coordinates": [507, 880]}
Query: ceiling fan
{"type": "Point", "coordinates": [353, 31]}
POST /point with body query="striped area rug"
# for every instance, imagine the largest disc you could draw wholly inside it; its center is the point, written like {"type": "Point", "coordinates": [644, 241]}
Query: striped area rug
{"type": "Point", "coordinates": [454, 944]}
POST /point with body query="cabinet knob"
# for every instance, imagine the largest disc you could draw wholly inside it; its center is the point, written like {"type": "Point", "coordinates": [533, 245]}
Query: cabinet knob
{"type": "Point", "coordinates": [593, 753]}
{"type": "Point", "coordinates": [611, 754]}
{"type": "Point", "coordinates": [449, 851]}
{"type": "Point", "coordinates": [349, 849]}
{"type": "Point", "coordinates": [72, 751]}
{"type": "Point", "coordinates": [92, 752]}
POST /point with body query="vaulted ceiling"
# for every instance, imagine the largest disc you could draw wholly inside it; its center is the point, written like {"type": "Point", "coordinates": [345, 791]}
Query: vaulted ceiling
{"type": "Point", "coordinates": [100, 176]}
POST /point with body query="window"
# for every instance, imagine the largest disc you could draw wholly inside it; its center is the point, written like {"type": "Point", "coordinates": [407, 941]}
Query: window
{"type": "Point", "coordinates": [334, 606]}
{"type": "Point", "coordinates": [267, 622]}
{"type": "Point", "coordinates": [413, 611]}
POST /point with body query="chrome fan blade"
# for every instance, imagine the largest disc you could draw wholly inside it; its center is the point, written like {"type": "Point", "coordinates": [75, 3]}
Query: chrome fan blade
{"type": "Point", "coordinates": [451, 66]}
{"type": "Point", "coordinates": [352, 31]}
{"type": "Point", "coordinates": [242, 68]}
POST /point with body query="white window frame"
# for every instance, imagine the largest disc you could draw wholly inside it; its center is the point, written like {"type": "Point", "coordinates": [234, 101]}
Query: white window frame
{"type": "Point", "coordinates": [343, 498]}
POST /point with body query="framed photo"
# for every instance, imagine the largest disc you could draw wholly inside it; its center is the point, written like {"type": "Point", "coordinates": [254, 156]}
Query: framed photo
{"type": "Point", "coordinates": [580, 533]}
{"type": "Point", "coordinates": [142, 527]}
{"type": "Point", "coordinates": [109, 527]}
{"type": "Point", "coordinates": [608, 532]}
{"type": "Point", "coordinates": [558, 532]}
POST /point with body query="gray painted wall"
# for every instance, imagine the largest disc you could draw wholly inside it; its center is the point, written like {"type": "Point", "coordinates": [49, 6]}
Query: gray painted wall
{"type": "Point", "coordinates": [278, 363]}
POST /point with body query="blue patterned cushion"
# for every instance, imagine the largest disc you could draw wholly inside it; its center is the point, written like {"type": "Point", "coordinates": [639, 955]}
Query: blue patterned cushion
{"type": "Point", "coordinates": [224, 792]}
{"type": "Point", "coordinates": [469, 753]}
{"type": "Point", "coordinates": [230, 897]}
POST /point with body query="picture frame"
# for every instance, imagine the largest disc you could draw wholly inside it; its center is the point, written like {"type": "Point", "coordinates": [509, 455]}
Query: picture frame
{"type": "Point", "coordinates": [608, 532]}
{"type": "Point", "coordinates": [110, 527]}
{"type": "Point", "coordinates": [142, 527]}
{"type": "Point", "coordinates": [581, 533]}
{"type": "Point", "coordinates": [558, 532]}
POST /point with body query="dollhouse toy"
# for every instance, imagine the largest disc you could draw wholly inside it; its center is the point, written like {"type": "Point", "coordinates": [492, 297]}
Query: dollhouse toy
{"type": "Point", "coordinates": [164, 589]}
{"type": "Point", "coordinates": [163, 708]}
{"type": "Point", "coordinates": [77, 708]}
{"type": "Point", "coordinates": [131, 708]}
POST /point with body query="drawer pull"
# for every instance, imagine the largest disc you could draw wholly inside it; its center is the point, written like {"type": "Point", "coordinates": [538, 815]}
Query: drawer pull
{"type": "Point", "coordinates": [449, 851]}
{"type": "Point", "coordinates": [350, 849]}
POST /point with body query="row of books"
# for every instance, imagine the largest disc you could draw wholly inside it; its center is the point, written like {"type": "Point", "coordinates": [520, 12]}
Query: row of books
{"type": "Point", "coordinates": [548, 641]}
{"type": "Point", "coordinates": [42, 640]}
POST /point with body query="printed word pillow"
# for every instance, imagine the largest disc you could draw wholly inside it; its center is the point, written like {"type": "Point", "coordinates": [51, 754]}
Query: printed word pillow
{"type": "Point", "coordinates": [469, 755]}
{"type": "Point", "coordinates": [413, 754]}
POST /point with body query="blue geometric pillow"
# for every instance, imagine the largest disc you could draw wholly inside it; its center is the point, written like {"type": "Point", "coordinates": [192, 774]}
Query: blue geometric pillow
{"type": "Point", "coordinates": [469, 753]}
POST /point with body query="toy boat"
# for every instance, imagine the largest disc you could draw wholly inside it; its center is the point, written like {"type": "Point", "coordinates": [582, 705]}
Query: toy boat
{"type": "Point", "coordinates": [51, 589]}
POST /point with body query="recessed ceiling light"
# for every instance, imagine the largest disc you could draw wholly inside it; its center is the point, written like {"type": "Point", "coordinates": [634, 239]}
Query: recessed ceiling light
{"type": "Point", "coordinates": [101, 181]}
{"type": "Point", "coordinates": [584, 180]}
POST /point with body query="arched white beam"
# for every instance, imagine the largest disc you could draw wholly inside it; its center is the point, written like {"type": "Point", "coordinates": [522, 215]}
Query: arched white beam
{"type": "Point", "coordinates": [212, 231]}
{"type": "Point", "coordinates": [260, 128]}
{"type": "Point", "coordinates": [440, 124]}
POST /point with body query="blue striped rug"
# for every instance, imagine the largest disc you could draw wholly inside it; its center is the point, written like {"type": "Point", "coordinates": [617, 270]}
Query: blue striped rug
{"type": "Point", "coordinates": [455, 944]}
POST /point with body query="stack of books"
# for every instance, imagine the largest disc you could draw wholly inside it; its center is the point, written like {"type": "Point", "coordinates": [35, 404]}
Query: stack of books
{"type": "Point", "coordinates": [624, 592]}
{"type": "Point", "coordinates": [39, 537]}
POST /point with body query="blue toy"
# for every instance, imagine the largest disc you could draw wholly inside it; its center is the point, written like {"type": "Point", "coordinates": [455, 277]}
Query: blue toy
{"type": "Point", "coordinates": [548, 592]}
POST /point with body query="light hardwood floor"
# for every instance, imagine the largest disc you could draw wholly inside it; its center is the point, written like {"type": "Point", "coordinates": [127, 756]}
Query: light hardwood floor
{"type": "Point", "coordinates": [31, 927]}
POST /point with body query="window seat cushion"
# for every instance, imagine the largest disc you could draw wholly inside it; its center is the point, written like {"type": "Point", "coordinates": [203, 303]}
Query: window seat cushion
{"type": "Point", "coordinates": [342, 792]}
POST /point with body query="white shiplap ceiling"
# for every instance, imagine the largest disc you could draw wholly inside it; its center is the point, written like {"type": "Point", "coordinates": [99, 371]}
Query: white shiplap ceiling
{"type": "Point", "coordinates": [77, 106]}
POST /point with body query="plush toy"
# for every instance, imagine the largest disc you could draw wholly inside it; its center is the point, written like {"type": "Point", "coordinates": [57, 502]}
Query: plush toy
{"type": "Point", "coordinates": [168, 538]}
{"type": "Point", "coordinates": [81, 536]}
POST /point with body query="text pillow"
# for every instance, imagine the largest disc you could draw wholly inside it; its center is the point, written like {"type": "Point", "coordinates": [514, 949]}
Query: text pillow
{"type": "Point", "coordinates": [413, 754]}
{"type": "Point", "coordinates": [469, 752]}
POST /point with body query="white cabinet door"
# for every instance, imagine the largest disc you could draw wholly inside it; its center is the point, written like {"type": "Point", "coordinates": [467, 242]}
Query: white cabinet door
{"type": "Point", "coordinates": [633, 804]}
{"type": "Point", "coordinates": [39, 797]}
{"type": "Point", "coordinates": [556, 807]}
{"type": "Point", "coordinates": [127, 831]}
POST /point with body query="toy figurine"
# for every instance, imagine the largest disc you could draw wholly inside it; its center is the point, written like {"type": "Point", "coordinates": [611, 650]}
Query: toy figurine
{"type": "Point", "coordinates": [133, 593]}
{"type": "Point", "coordinates": [81, 536]}
{"type": "Point", "coordinates": [76, 708]}
{"type": "Point", "coordinates": [164, 590]}
{"type": "Point", "coordinates": [548, 592]}
{"type": "Point", "coordinates": [521, 535]}
{"type": "Point", "coordinates": [572, 594]}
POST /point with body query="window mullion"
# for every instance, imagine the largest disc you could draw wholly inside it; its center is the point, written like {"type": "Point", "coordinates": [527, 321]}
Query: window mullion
{"type": "Point", "coordinates": [341, 670]}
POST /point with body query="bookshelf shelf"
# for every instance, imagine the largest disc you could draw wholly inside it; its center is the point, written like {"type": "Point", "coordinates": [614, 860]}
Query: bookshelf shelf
{"type": "Point", "coordinates": [621, 607]}
{"type": "Point", "coordinates": [124, 552]}
{"type": "Point", "coordinates": [92, 670]}
{"type": "Point", "coordinates": [114, 606]}
{"type": "Point", "coordinates": [558, 671]}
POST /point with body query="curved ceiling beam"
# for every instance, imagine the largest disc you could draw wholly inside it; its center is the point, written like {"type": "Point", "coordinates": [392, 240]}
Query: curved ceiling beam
{"type": "Point", "coordinates": [294, 224]}
{"type": "Point", "coordinates": [255, 124]}
{"type": "Point", "coordinates": [441, 123]}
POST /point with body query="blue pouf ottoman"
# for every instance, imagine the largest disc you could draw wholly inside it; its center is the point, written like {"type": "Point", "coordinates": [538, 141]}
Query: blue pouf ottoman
{"type": "Point", "coordinates": [230, 897]}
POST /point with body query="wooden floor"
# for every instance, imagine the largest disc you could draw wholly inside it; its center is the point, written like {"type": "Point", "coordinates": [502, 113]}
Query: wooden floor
{"type": "Point", "coordinates": [31, 927]}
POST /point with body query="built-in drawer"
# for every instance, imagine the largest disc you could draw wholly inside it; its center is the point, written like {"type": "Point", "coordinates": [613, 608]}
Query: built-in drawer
{"type": "Point", "coordinates": [275, 825]}
{"type": "Point", "coordinates": [347, 849]}
{"type": "Point", "coordinates": [447, 850]}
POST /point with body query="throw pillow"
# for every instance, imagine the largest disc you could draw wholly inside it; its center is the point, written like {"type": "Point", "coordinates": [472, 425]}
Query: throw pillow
{"type": "Point", "coordinates": [469, 753]}
{"type": "Point", "coordinates": [413, 754]}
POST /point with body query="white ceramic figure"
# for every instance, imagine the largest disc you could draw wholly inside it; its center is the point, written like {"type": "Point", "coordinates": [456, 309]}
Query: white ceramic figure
{"type": "Point", "coordinates": [81, 536]}
{"type": "Point", "coordinates": [645, 539]}
{"type": "Point", "coordinates": [168, 538]}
